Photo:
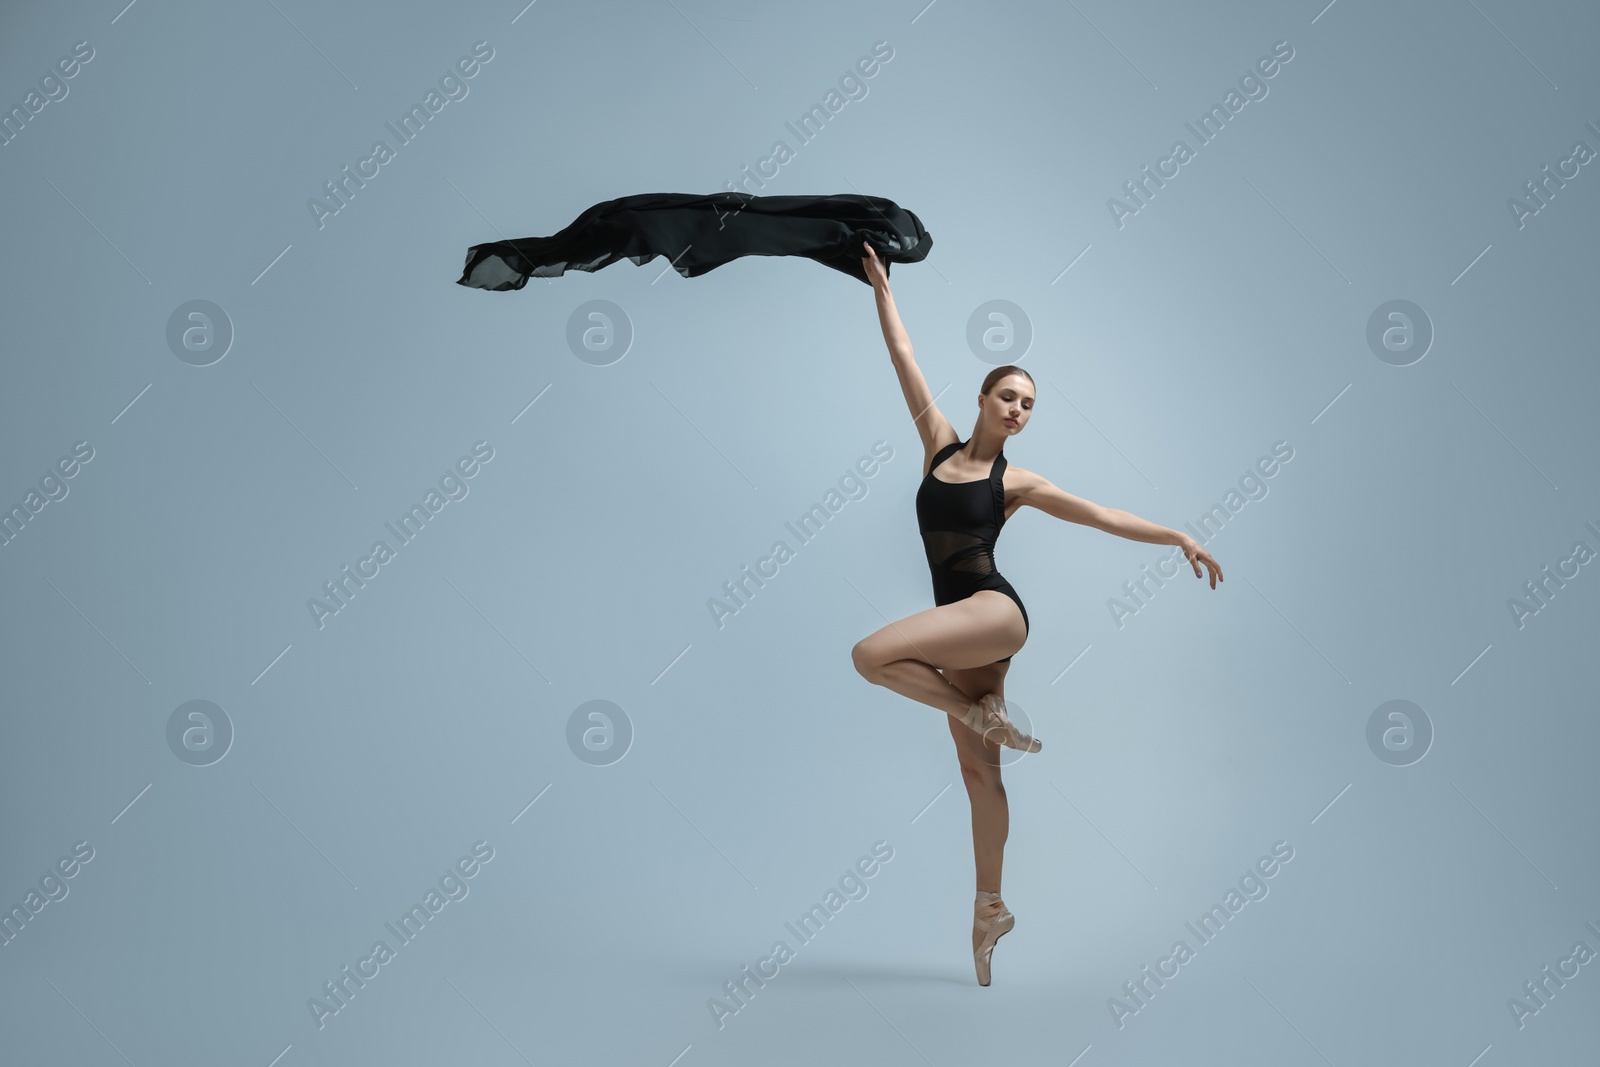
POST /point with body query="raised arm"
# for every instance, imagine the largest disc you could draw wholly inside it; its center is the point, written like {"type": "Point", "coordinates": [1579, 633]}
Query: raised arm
{"type": "Point", "coordinates": [1033, 490]}
{"type": "Point", "coordinates": [934, 429]}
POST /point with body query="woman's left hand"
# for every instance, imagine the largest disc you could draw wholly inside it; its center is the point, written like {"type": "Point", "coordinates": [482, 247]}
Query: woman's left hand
{"type": "Point", "coordinates": [1196, 556]}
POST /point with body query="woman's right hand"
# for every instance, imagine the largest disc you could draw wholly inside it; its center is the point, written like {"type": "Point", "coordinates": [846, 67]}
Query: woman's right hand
{"type": "Point", "coordinates": [873, 266]}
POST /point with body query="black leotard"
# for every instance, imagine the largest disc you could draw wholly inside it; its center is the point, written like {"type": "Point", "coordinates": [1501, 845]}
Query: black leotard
{"type": "Point", "coordinates": [960, 522]}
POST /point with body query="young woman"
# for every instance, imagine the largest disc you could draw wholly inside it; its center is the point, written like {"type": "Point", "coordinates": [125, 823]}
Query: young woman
{"type": "Point", "coordinates": [954, 656]}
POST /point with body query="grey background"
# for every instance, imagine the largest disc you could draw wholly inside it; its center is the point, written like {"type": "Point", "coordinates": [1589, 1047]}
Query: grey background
{"type": "Point", "coordinates": [369, 755]}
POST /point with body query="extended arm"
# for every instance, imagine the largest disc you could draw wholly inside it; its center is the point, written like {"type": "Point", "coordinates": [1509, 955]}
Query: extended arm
{"type": "Point", "coordinates": [894, 331]}
{"type": "Point", "coordinates": [932, 426]}
{"type": "Point", "coordinates": [1039, 492]}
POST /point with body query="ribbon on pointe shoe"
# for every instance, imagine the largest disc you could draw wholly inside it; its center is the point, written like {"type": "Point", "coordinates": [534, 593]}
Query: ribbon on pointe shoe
{"type": "Point", "coordinates": [987, 715]}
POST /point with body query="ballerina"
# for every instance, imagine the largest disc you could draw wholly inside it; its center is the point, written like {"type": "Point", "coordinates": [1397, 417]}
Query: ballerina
{"type": "Point", "coordinates": [955, 655]}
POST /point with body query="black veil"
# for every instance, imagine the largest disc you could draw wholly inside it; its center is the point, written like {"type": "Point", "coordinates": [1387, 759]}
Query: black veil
{"type": "Point", "coordinates": [698, 233]}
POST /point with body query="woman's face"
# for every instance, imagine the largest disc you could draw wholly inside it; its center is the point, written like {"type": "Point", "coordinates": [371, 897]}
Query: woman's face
{"type": "Point", "coordinates": [1009, 403]}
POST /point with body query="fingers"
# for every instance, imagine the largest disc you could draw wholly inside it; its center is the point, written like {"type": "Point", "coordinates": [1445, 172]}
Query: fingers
{"type": "Point", "coordinates": [1214, 571]}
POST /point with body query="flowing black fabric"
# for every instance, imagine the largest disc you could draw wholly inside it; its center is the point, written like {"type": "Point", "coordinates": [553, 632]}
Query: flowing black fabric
{"type": "Point", "coordinates": [698, 233]}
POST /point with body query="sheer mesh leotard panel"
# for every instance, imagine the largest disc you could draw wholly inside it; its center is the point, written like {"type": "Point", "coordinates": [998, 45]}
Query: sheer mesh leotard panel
{"type": "Point", "coordinates": [960, 522]}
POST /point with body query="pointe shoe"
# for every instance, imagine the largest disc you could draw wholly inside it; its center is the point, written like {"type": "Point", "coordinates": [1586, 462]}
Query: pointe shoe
{"type": "Point", "coordinates": [990, 924]}
{"type": "Point", "coordinates": [987, 715]}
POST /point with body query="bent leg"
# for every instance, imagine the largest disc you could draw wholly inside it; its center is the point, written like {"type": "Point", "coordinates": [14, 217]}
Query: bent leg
{"type": "Point", "coordinates": [906, 655]}
{"type": "Point", "coordinates": [980, 772]}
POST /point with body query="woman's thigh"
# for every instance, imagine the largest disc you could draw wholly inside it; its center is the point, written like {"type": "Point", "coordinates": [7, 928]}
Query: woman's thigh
{"type": "Point", "coordinates": [973, 632]}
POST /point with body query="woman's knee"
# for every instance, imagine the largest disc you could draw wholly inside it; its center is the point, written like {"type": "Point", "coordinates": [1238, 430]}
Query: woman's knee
{"type": "Point", "coordinates": [982, 777]}
{"type": "Point", "coordinates": [866, 662]}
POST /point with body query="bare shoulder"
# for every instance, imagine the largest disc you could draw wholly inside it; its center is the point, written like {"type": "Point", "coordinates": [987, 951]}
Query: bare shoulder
{"type": "Point", "coordinates": [1019, 481]}
{"type": "Point", "coordinates": [1024, 488]}
{"type": "Point", "coordinates": [1019, 484]}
